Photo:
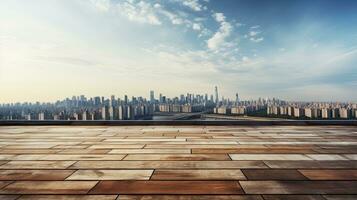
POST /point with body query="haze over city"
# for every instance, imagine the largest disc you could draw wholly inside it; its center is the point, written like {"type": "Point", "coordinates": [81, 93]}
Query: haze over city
{"type": "Point", "coordinates": [293, 50]}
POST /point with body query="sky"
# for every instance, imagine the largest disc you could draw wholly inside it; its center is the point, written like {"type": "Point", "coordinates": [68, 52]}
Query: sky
{"type": "Point", "coordinates": [302, 50]}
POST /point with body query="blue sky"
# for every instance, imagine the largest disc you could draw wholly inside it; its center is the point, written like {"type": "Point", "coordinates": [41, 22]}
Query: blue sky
{"type": "Point", "coordinates": [294, 50]}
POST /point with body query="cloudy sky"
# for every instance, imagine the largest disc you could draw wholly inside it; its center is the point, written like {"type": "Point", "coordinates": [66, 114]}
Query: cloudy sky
{"type": "Point", "coordinates": [294, 50]}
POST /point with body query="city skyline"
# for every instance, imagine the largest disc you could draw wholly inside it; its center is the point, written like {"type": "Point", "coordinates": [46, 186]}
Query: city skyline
{"type": "Point", "coordinates": [293, 50]}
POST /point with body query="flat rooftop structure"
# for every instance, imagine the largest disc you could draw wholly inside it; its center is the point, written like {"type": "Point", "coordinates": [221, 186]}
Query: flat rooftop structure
{"type": "Point", "coordinates": [243, 162]}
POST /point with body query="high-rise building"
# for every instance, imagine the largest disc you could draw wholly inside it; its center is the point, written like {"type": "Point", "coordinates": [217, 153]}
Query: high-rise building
{"type": "Point", "coordinates": [126, 99]}
{"type": "Point", "coordinates": [86, 116]}
{"type": "Point", "coordinates": [122, 112]}
{"type": "Point", "coordinates": [112, 113]}
{"type": "Point", "coordinates": [237, 98]}
{"type": "Point", "coordinates": [105, 113]}
{"type": "Point", "coordinates": [152, 96]}
{"type": "Point", "coordinates": [216, 93]}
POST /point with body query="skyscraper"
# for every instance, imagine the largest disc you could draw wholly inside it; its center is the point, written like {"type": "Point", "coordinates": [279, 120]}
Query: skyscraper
{"type": "Point", "coordinates": [216, 93]}
{"type": "Point", "coordinates": [152, 96]}
{"type": "Point", "coordinates": [237, 98]}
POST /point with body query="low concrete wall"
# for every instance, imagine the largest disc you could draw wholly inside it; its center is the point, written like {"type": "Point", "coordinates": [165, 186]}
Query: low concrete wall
{"type": "Point", "coordinates": [182, 122]}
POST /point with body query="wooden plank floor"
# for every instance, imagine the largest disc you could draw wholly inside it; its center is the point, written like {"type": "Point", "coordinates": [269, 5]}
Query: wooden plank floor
{"type": "Point", "coordinates": [178, 162]}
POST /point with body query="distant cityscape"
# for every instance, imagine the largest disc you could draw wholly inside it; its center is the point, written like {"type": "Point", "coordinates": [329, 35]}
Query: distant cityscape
{"type": "Point", "coordinates": [185, 106]}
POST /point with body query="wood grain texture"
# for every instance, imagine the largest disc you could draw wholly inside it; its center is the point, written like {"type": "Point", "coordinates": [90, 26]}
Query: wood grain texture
{"type": "Point", "coordinates": [178, 162]}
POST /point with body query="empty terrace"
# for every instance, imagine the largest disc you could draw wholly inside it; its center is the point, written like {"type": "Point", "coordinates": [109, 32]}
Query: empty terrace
{"type": "Point", "coordinates": [178, 162]}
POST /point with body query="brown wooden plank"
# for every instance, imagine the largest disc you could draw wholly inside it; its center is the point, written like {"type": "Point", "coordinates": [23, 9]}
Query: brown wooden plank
{"type": "Point", "coordinates": [68, 197]}
{"type": "Point", "coordinates": [252, 150]}
{"type": "Point", "coordinates": [111, 175]}
{"type": "Point", "coordinates": [340, 197]}
{"type": "Point", "coordinates": [167, 187]}
{"type": "Point", "coordinates": [9, 197]}
{"type": "Point", "coordinates": [70, 157]}
{"type": "Point", "coordinates": [167, 164]}
{"type": "Point", "coordinates": [269, 157]}
{"type": "Point", "coordinates": [34, 174]}
{"type": "Point", "coordinates": [177, 157]}
{"type": "Point", "coordinates": [190, 197]}
{"type": "Point", "coordinates": [218, 174]}
{"type": "Point", "coordinates": [299, 187]}
{"type": "Point", "coordinates": [293, 197]}
{"type": "Point", "coordinates": [311, 164]}
{"type": "Point", "coordinates": [48, 187]}
{"type": "Point", "coordinates": [273, 174]}
{"type": "Point", "coordinates": [37, 165]}
{"type": "Point", "coordinates": [149, 151]}
{"type": "Point", "coordinates": [330, 174]}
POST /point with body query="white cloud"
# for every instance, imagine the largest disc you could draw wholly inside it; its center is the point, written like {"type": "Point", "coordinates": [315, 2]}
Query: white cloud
{"type": "Point", "coordinates": [257, 40]}
{"type": "Point", "coordinates": [255, 27]}
{"type": "Point", "coordinates": [174, 19]}
{"type": "Point", "coordinates": [193, 4]}
{"type": "Point", "coordinates": [157, 5]}
{"type": "Point", "coordinates": [254, 33]}
{"type": "Point", "coordinates": [224, 31]}
{"type": "Point", "coordinates": [142, 12]}
{"type": "Point", "coordinates": [219, 17]}
{"type": "Point", "coordinates": [196, 26]}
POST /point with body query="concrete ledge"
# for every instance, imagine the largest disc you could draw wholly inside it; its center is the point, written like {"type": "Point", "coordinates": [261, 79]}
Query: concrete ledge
{"type": "Point", "coordinates": [182, 123]}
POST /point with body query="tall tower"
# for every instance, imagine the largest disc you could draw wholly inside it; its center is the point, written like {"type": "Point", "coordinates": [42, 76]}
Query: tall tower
{"type": "Point", "coordinates": [216, 93]}
{"type": "Point", "coordinates": [152, 97]}
{"type": "Point", "coordinates": [237, 99]}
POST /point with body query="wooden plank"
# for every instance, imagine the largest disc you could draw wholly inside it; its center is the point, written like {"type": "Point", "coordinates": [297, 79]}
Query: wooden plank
{"type": "Point", "coordinates": [167, 164]}
{"type": "Point", "coordinates": [68, 197]}
{"type": "Point", "coordinates": [321, 174]}
{"type": "Point", "coordinates": [190, 197]}
{"type": "Point", "coordinates": [34, 174]}
{"type": "Point", "coordinates": [167, 187]}
{"type": "Point", "coordinates": [177, 157]}
{"type": "Point", "coordinates": [199, 174]}
{"type": "Point", "coordinates": [268, 157]}
{"type": "Point", "coordinates": [311, 164]}
{"type": "Point", "coordinates": [273, 174]}
{"type": "Point", "coordinates": [37, 165]}
{"type": "Point", "coordinates": [149, 151]}
{"type": "Point", "coordinates": [48, 187]}
{"type": "Point", "coordinates": [299, 187]}
{"type": "Point", "coordinates": [111, 175]}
